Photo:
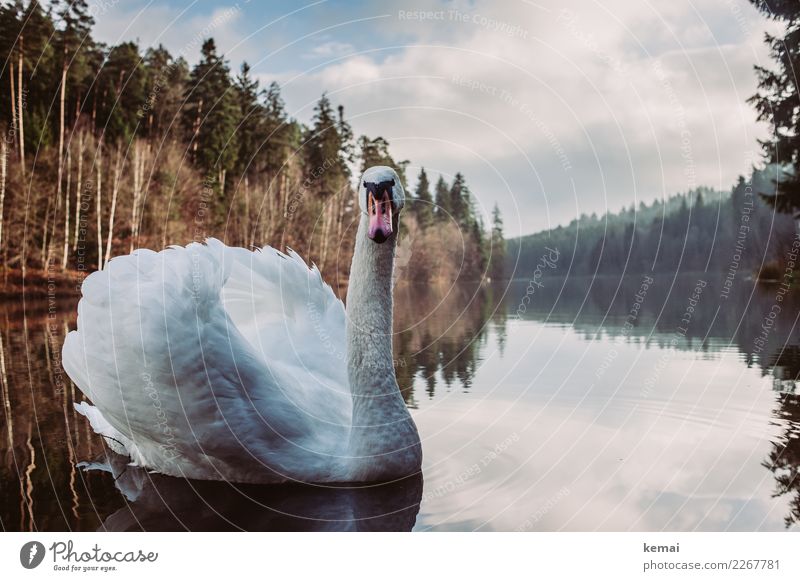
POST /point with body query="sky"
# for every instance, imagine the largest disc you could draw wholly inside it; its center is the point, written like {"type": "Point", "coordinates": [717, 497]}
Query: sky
{"type": "Point", "coordinates": [549, 108]}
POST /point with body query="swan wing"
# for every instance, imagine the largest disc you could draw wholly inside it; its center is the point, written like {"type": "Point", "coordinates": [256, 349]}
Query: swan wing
{"type": "Point", "coordinates": [210, 362]}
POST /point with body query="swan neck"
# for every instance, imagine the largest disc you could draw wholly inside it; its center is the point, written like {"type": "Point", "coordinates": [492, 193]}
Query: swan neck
{"type": "Point", "coordinates": [384, 442]}
{"type": "Point", "coordinates": [369, 313]}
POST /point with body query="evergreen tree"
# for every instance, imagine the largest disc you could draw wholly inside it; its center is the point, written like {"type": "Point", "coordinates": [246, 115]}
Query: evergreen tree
{"type": "Point", "coordinates": [278, 131]}
{"type": "Point", "coordinates": [10, 27]}
{"type": "Point", "coordinates": [423, 202]}
{"type": "Point", "coordinates": [478, 233]}
{"type": "Point", "coordinates": [443, 206]}
{"type": "Point", "coordinates": [123, 82]}
{"type": "Point", "coordinates": [326, 149]}
{"type": "Point", "coordinates": [460, 203]}
{"type": "Point", "coordinates": [778, 100]}
{"type": "Point", "coordinates": [78, 53]}
{"type": "Point", "coordinates": [166, 85]}
{"type": "Point", "coordinates": [498, 246]}
{"type": "Point", "coordinates": [26, 40]}
{"type": "Point", "coordinates": [252, 122]}
{"type": "Point", "coordinates": [210, 114]}
{"type": "Point", "coordinates": [376, 152]}
{"type": "Point", "coordinates": [126, 194]}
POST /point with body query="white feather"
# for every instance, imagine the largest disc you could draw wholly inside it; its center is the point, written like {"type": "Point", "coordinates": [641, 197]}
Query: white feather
{"type": "Point", "coordinates": [207, 362]}
{"type": "Point", "coordinates": [377, 174]}
{"type": "Point", "coordinates": [220, 363]}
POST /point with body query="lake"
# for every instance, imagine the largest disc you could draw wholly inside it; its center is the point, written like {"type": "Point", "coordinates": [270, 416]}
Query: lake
{"type": "Point", "coordinates": [644, 403]}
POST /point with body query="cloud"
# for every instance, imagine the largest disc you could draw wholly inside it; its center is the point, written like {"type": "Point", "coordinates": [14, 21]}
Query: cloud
{"type": "Point", "coordinates": [329, 49]}
{"type": "Point", "coordinates": [573, 457]}
{"type": "Point", "coordinates": [549, 108]}
{"type": "Point", "coordinates": [560, 109]}
{"type": "Point", "coordinates": [182, 31]}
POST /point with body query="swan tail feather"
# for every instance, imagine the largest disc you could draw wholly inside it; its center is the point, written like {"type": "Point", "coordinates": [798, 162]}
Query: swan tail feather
{"type": "Point", "coordinates": [207, 361]}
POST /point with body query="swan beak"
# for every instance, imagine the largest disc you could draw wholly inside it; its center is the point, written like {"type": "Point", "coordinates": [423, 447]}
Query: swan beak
{"type": "Point", "coordinates": [380, 217]}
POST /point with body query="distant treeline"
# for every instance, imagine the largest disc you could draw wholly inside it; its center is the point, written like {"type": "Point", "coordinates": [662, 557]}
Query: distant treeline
{"type": "Point", "coordinates": [695, 231]}
{"type": "Point", "coordinates": [109, 148]}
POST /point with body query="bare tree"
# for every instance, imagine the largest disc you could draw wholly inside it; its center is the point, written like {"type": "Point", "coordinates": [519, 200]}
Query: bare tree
{"type": "Point", "coordinates": [65, 255]}
{"type": "Point", "coordinates": [20, 125]}
{"type": "Point", "coordinates": [60, 173]}
{"type": "Point", "coordinates": [98, 204]}
{"type": "Point", "coordinates": [78, 190]}
{"type": "Point", "coordinates": [13, 96]}
{"type": "Point", "coordinates": [138, 195]}
{"type": "Point", "coordinates": [3, 172]}
{"type": "Point", "coordinates": [114, 194]}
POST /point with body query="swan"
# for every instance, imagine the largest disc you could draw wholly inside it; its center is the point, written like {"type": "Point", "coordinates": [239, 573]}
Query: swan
{"type": "Point", "coordinates": [217, 363]}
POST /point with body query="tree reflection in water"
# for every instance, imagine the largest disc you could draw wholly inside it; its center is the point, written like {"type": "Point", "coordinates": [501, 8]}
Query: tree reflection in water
{"type": "Point", "coordinates": [440, 340]}
{"type": "Point", "coordinates": [784, 459]}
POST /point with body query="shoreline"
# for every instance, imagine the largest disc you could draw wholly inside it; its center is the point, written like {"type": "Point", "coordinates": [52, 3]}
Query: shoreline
{"type": "Point", "coordinates": [39, 283]}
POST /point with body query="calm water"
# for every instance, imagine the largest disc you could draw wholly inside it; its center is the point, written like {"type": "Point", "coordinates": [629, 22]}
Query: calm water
{"type": "Point", "coordinates": [596, 405]}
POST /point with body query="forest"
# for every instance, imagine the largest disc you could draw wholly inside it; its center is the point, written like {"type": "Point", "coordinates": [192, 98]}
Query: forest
{"type": "Point", "coordinates": [110, 148]}
{"type": "Point", "coordinates": [697, 231]}
{"type": "Point", "coordinates": [747, 231]}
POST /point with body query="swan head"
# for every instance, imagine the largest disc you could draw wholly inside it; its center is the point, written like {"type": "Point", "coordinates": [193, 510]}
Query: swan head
{"type": "Point", "coordinates": [381, 197]}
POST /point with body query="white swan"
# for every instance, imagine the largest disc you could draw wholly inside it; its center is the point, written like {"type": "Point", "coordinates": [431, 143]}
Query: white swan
{"type": "Point", "coordinates": [219, 363]}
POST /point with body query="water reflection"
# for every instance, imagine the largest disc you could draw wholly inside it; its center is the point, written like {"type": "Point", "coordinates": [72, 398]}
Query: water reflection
{"type": "Point", "coordinates": [784, 459]}
{"type": "Point", "coordinates": [569, 415]}
{"type": "Point", "coordinates": [439, 335]}
{"type": "Point", "coordinates": [161, 503]}
{"type": "Point", "coordinates": [43, 437]}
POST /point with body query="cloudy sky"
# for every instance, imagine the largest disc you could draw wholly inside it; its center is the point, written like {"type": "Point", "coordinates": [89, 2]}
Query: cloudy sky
{"type": "Point", "coordinates": [550, 108]}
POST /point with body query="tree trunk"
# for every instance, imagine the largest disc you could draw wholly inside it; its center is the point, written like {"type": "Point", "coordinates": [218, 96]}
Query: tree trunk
{"type": "Point", "coordinates": [78, 191]}
{"type": "Point", "coordinates": [270, 212]}
{"type": "Point", "coordinates": [246, 221]}
{"type": "Point", "coordinates": [65, 255]}
{"type": "Point", "coordinates": [19, 110]}
{"type": "Point", "coordinates": [45, 231]}
{"type": "Point", "coordinates": [3, 171]}
{"type": "Point", "coordinates": [114, 194]}
{"type": "Point", "coordinates": [138, 174]}
{"type": "Point", "coordinates": [340, 219]}
{"type": "Point", "coordinates": [60, 172]}
{"type": "Point", "coordinates": [98, 204]}
{"type": "Point", "coordinates": [14, 121]}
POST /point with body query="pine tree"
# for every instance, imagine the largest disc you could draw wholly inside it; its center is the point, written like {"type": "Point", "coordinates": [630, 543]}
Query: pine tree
{"type": "Point", "coordinates": [326, 149]}
{"type": "Point", "coordinates": [75, 47]}
{"type": "Point", "coordinates": [277, 131]}
{"type": "Point", "coordinates": [210, 114]}
{"type": "Point", "coordinates": [123, 82]}
{"type": "Point", "coordinates": [479, 239]}
{"type": "Point", "coordinates": [376, 152]}
{"type": "Point", "coordinates": [778, 100]}
{"type": "Point", "coordinates": [460, 203]}
{"type": "Point", "coordinates": [423, 202]}
{"type": "Point", "coordinates": [498, 246]}
{"type": "Point", "coordinates": [250, 132]}
{"type": "Point", "coordinates": [9, 33]}
{"type": "Point", "coordinates": [167, 78]}
{"type": "Point", "coordinates": [443, 205]}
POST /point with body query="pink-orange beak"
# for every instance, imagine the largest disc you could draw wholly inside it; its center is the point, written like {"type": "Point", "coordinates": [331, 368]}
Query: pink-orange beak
{"type": "Point", "coordinates": [380, 217]}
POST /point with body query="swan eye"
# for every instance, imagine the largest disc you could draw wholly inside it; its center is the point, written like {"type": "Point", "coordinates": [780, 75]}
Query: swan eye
{"type": "Point", "coordinates": [380, 191]}
{"type": "Point", "coordinates": [381, 181]}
